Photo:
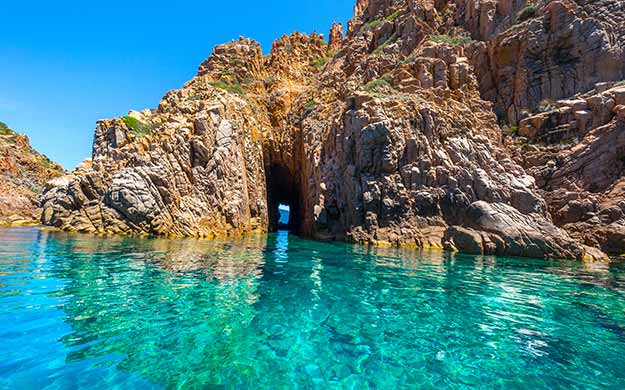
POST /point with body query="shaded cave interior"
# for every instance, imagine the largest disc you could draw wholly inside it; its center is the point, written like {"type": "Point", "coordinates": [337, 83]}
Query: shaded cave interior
{"type": "Point", "coordinates": [283, 190]}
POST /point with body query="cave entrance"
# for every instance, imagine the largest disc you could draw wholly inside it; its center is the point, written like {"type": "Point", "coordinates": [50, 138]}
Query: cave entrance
{"type": "Point", "coordinates": [283, 200]}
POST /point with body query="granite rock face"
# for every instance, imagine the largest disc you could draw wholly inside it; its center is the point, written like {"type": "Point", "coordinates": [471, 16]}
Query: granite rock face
{"type": "Point", "coordinates": [23, 175]}
{"type": "Point", "coordinates": [403, 150]}
{"type": "Point", "coordinates": [576, 152]}
{"type": "Point", "coordinates": [196, 165]}
{"type": "Point", "coordinates": [191, 167]}
{"type": "Point", "coordinates": [544, 50]}
{"type": "Point", "coordinates": [388, 135]}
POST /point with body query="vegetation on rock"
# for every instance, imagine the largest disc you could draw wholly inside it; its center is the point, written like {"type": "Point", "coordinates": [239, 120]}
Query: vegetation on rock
{"type": "Point", "coordinates": [4, 129]}
{"type": "Point", "coordinates": [230, 86]}
{"type": "Point", "coordinates": [377, 84]}
{"type": "Point", "coordinates": [527, 13]}
{"type": "Point", "coordinates": [23, 175]}
{"type": "Point", "coordinates": [450, 40]}
{"type": "Point", "coordinates": [137, 127]}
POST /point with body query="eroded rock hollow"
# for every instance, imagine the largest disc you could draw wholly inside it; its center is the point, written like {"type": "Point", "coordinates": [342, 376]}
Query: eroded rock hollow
{"type": "Point", "coordinates": [396, 133]}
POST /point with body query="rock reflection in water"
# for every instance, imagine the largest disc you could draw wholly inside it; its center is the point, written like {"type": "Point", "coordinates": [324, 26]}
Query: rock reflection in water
{"type": "Point", "coordinates": [277, 311]}
{"type": "Point", "coordinates": [122, 296]}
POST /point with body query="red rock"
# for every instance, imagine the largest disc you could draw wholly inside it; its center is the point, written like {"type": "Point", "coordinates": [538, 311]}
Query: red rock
{"type": "Point", "coordinates": [388, 135]}
{"type": "Point", "coordinates": [23, 175]}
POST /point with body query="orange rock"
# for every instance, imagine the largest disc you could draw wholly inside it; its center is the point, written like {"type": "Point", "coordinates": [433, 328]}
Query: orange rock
{"type": "Point", "coordinates": [388, 135]}
{"type": "Point", "coordinates": [23, 175]}
{"type": "Point", "coordinates": [336, 36]}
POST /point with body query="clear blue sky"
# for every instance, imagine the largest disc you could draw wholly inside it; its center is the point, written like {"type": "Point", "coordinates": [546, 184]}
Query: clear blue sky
{"type": "Point", "coordinates": [65, 64]}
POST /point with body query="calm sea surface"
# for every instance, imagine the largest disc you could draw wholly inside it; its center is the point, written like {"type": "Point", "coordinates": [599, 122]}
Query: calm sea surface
{"type": "Point", "coordinates": [280, 312]}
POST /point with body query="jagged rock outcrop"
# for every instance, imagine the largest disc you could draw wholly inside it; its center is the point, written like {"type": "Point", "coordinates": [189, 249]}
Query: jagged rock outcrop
{"type": "Point", "coordinates": [23, 175]}
{"type": "Point", "coordinates": [536, 64]}
{"type": "Point", "coordinates": [191, 167]}
{"type": "Point", "coordinates": [544, 50]}
{"type": "Point", "coordinates": [386, 136]}
{"type": "Point", "coordinates": [335, 40]}
{"type": "Point", "coordinates": [195, 166]}
{"type": "Point", "coordinates": [576, 152]}
{"type": "Point", "coordinates": [403, 149]}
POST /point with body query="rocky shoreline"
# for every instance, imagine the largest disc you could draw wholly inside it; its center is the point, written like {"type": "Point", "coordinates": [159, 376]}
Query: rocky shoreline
{"type": "Point", "coordinates": [23, 175]}
{"type": "Point", "coordinates": [485, 127]}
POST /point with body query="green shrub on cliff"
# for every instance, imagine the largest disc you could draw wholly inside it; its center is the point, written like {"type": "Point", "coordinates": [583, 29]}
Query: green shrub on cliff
{"type": "Point", "coordinates": [526, 13]}
{"type": "Point", "coordinates": [319, 63]}
{"type": "Point", "coordinates": [372, 24]}
{"type": "Point", "coordinates": [139, 128]}
{"type": "Point", "coordinates": [4, 129]}
{"type": "Point", "coordinates": [408, 60]}
{"type": "Point", "coordinates": [449, 40]}
{"type": "Point", "coordinates": [393, 16]}
{"type": "Point", "coordinates": [377, 84]}
{"type": "Point", "coordinates": [310, 105]}
{"type": "Point", "coordinates": [376, 22]}
{"type": "Point", "coordinates": [49, 164]}
{"type": "Point", "coordinates": [232, 86]}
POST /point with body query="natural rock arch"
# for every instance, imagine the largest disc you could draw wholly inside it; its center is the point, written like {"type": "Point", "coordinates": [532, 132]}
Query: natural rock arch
{"type": "Point", "coordinates": [383, 140]}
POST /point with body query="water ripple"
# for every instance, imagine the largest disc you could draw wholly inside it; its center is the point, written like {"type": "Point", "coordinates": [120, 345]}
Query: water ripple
{"type": "Point", "coordinates": [273, 312]}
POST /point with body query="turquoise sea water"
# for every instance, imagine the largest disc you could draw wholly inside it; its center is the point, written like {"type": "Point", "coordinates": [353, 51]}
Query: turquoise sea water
{"type": "Point", "coordinates": [279, 312]}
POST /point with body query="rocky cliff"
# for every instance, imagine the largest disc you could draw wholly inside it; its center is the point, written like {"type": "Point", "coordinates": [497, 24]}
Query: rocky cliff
{"type": "Point", "coordinates": [23, 175]}
{"type": "Point", "coordinates": [532, 51]}
{"type": "Point", "coordinates": [388, 135]}
{"type": "Point", "coordinates": [554, 70]}
{"type": "Point", "coordinates": [576, 151]}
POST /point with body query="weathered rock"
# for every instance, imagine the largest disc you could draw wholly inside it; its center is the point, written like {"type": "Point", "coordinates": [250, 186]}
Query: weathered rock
{"type": "Point", "coordinates": [335, 40]}
{"type": "Point", "coordinates": [562, 48]}
{"type": "Point", "coordinates": [381, 137]}
{"type": "Point", "coordinates": [23, 174]}
{"type": "Point", "coordinates": [585, 183]}
{"type": "Point", "coordinates": [195, 165]}
{"type": "Point", "coordinates": [466, 240]}
{"type": "Point", "coordinates": [523, 235]}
